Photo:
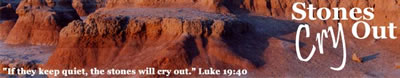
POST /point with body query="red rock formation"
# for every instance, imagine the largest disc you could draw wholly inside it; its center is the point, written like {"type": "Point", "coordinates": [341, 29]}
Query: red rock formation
{"type": "Point", "coordinates": [40, 21]}
{"type": "Point", "coordinates": [85, 7]}
{"type": "Point", "coordinates": [106, 39]}
{"type": "Point", "coordinates": [133, 34]}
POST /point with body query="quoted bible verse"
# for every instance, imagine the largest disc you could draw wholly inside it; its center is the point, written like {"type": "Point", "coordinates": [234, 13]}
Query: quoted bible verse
{"type": "Point", "coordinates": [127, 72]}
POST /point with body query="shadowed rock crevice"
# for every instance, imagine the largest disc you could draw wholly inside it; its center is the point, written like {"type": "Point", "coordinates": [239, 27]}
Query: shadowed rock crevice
{"type": "Point", "coordinates": [7, 17]}
{"type": "Point", "coordinates": [191, 48]}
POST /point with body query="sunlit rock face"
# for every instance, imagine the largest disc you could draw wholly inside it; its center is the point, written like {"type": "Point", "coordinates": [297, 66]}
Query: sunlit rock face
{"type": "Point", "coordinates": [40, 21]}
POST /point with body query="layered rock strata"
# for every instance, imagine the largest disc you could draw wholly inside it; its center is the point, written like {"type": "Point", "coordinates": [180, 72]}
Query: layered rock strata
{"type": "Point", "coordinates": [107, 40]}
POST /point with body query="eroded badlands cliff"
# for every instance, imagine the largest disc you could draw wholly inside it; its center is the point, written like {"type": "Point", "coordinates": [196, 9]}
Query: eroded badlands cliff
{"type": "Point", "coordinates": [85, 7]}
{"type": "Point", "coordinates": [172, 34]}
{"type": "Point", "coordinates": [106, 39]}
{"type": "Point", "coordinates": [40, 21]}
